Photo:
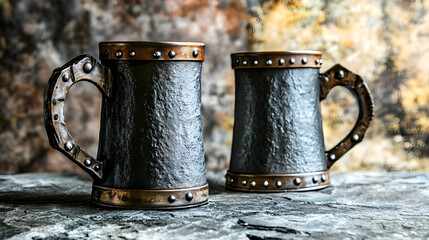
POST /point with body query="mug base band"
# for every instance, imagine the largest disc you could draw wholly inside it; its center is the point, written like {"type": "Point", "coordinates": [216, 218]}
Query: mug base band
{"type": "Point", "coordinates": [277, 182]}
{"type": "Point", "coordinates": [150, 199]}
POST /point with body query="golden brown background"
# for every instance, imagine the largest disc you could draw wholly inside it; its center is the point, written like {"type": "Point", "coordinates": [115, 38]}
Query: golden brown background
{"type": "Point", "coordinates": [384, 41]}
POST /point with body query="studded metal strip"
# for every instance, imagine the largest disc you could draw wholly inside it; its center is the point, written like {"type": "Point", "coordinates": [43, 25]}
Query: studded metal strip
{"type": "Point", "coordinates": [150, 199]}
{"type": "Point", "coordinates": [277, 182]}
{"type": "Point", "coordinates": [294, 59]}
{"type": "Point", "coordinates": [153, 51]}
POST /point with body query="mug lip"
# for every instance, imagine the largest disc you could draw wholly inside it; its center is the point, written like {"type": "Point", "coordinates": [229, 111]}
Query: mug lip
{"type": "Point", "coordinates": [292, 52]}
{"type": "Point", "coordinates": [151, 51]}
{"type": "Point", "coordinates": [150, 43]}
{"type": "Point", "coordinates": [277, 59]}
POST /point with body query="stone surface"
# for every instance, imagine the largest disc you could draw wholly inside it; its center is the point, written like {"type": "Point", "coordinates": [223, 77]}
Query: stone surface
{"type": "Point", "coordinates": [357, 205]}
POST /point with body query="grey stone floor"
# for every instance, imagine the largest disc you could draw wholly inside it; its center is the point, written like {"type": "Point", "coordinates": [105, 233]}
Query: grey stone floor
{"type": "Point", "coordinates": [357, 205]}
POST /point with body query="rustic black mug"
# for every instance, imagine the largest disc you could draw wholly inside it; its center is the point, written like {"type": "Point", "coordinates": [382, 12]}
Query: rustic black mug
{"type": "Point", "coordinates": [151, 153]}
{"type": "Point", "coordinates": [278, 140]}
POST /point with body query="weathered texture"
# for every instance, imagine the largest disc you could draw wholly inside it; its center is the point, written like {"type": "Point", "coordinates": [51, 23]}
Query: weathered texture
{"type": "Point", "coordinates": [278, 127]}
{"type": "Point", "coordinates": [358, 205]}
{"type": "Point", "coordinates": [151, 130]}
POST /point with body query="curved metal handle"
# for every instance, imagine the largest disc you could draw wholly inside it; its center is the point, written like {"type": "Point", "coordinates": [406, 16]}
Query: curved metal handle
{"type": "Point", "coordinates": [340, 76]}
{"type": "Point", "coordinates": [81, 68]}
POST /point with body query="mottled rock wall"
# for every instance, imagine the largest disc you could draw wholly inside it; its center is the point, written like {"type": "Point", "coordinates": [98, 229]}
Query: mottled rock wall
{"type": "Point", "coordinates": [384, 41]}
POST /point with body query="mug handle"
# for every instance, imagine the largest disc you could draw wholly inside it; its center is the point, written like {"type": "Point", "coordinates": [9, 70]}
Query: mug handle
{"type": "Point", "coordinates": [340, 76]}
{"type": "Point", "coordinates": [81, 68]}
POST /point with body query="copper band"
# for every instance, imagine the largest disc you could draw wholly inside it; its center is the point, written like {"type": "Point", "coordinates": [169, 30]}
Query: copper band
{"type": "Point", "coordinates": [153, 51]}
{"type": "Point", "coordinates": [293, 59]}
{"type": "Point", "coordinates": [150, 199]}
{"type": "Point", "coordinates": [277, 182]}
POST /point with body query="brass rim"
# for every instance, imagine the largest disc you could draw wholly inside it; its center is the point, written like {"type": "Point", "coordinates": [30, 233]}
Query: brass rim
{"type": "Point", "coordinates": [150, 199]}
{"type": "Point", "coordinates": [277, 182]}
{"type": "Point", "coordinates": [152, 51]}
{"type": "Point", "coordinates": [292, 59]}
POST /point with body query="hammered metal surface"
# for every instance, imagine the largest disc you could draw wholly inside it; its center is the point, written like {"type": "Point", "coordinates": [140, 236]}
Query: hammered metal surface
{"type": "Point", "coordinates": [278, 126]}
{"type": "Point", "coordinates": [151, 127]}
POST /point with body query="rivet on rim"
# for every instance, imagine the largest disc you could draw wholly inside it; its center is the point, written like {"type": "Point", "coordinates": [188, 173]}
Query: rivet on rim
{"type": "Point", "coordinates": [269, 62]}
{"type": "Point", "coordinates": [157, 54]}
{"type": "Point", "coordinates": [265, 184]}
{"type": "Point", "coordinates": [315, 179]}
{"type": "Point", "coordinates": [66, 77]}
{"type": "Point", "coordinates": [278, 184]}
{"type": "Point", "coordinates": [297, 181]}
{"type": "Point", "coordinates": [132, 54]}
{"type": "Point", "coordinates": [253, 183]}
{"type": "Point", "coordinates": [304, 60]}
{"type": "Point", "coordinates": [87, 67]}
{"type": "Point", "coordinates": [118, 54]}
{"type": "Point", "coordinates": [244, 182]}
{"type": "Point", "coordinates": [292, 61]}
{"type": "Point", "coordinates": [189, 196]}
{"type": "Point", "coordinates": [323, 178]}
{"type": "Point", "coordinates": [171, 199]}
{"type": "Point", "coordinates": [355, 138]}
{"type": "Point", "coordinates": [281, 62]}
{"type": "Point", "coordinates": [255, 62]}
{"type": "Point", "coordinates": [172, 54]}
{"type": "Point", "coordinates": [244, 62]}
{"type": "Point", "coordinates": [195, 53]}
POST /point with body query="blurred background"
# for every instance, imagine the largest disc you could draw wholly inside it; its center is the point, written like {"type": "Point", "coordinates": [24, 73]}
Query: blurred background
{"type": "Point", "coordinates": [384, 41]}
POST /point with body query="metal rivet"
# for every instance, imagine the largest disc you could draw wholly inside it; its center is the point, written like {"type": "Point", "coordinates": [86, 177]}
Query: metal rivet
{"type": "Point", "coordinates": [315, 179]}
{"type": "Point", "coordinates": [255, 62]}
{"type": "Point", "coordinates": [321, 61]}
{"type": "Point", "coordinates": [97, 167]}
{"type": "Point", "coordinates": [172, 54]}
{"type": "Point", "coordinates": [189, 196]}
{"type": "Point", "coordinates": [292, 61]}
{"type": "Point", "coordinates": [106, 52]}
{"type": "Point", "coordinates": [304, 60]}
{"type": "Point", "coordinates": [355, 138]}
{"type": "Point", "coordinates": [278, 184]}
{"type": "Point", "coordinates": [297, 181]}
{"type": "Point", "coordinates": [265, 184]}
{"type": "Point", "coordinates": [340, 74]}
{"type": "Point", "coordinates": [118, 54]}
{"type": "Point", "coordinates": [157, 54]}
{"type": "Point", "coordinates": [231, 180]}
{"type": "Point", "coordinates": [171, 199]}
{"type": "Point", "coordinates": [323, 178]}
{"type": "Point", "coordinates": [244, 62]}
{"type": "Point", "coordinates": [87, 162]}
{"type": "Point", "coordinates": [332, 157]}
{"type": "Point", "coordinates": [66, 77]}
{"type": "Point", "coordinates": [132, 54]}
{"type": "Point", "coordinates": [281, 62]}
{"type": "Point", "coordinates": [317, 61]}
{"type": "Point", "coordinates": [237, 61]}
{"type": "Point", "coordinates": [269, 62]}
{"type": "Point", "coordinates": [253, 183]}
{"type": "Point", "coordinates": [56, 117]}
{"type": "Point", "coordinates": [87, 67]}
{"type": "Point", "coordinates": [195, 53]}
{"type": "Point", "coordinates": [54, 102]}
{"type": "Point", "coordinates": [244, 182]}
{"type": "Point", "coordinates": [326, 78]}
{"type": "Point", "coordinates": [68, 146]}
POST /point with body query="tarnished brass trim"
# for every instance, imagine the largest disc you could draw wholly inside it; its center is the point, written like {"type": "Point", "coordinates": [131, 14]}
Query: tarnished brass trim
{"type": "Point", "coordinates": [153, 51]}
{"type": "Point", "coordinates": [150, 199]}
{"type": "Point", "coordinates": [277, 182]}
{"type": "Point", "coordinates": [340, 76]}
{"type": "Point", "coordinates": [292, 59]}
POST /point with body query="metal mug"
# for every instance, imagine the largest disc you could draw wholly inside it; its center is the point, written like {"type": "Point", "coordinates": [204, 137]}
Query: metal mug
{"type": "Point", "coordinates": [151, 153]}
{"type": "Point", "coordinates": [278, 140]}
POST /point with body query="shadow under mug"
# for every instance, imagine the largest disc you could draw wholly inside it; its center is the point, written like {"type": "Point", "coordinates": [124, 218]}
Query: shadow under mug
{"type": "Point", "coordinates": [278, 142]}
{"type": "Point", "coordinates": [151, 153]}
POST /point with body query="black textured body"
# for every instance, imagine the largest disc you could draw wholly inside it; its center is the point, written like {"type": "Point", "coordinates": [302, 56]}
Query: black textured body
{"type": "Point", "coordinates": [278, 126]}
{"type": "Point", "coordinates": [151, 126]}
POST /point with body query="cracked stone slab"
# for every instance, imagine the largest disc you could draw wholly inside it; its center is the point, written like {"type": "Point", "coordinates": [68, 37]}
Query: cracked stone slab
{"type": "Point", "coordinates": [357, 205]}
